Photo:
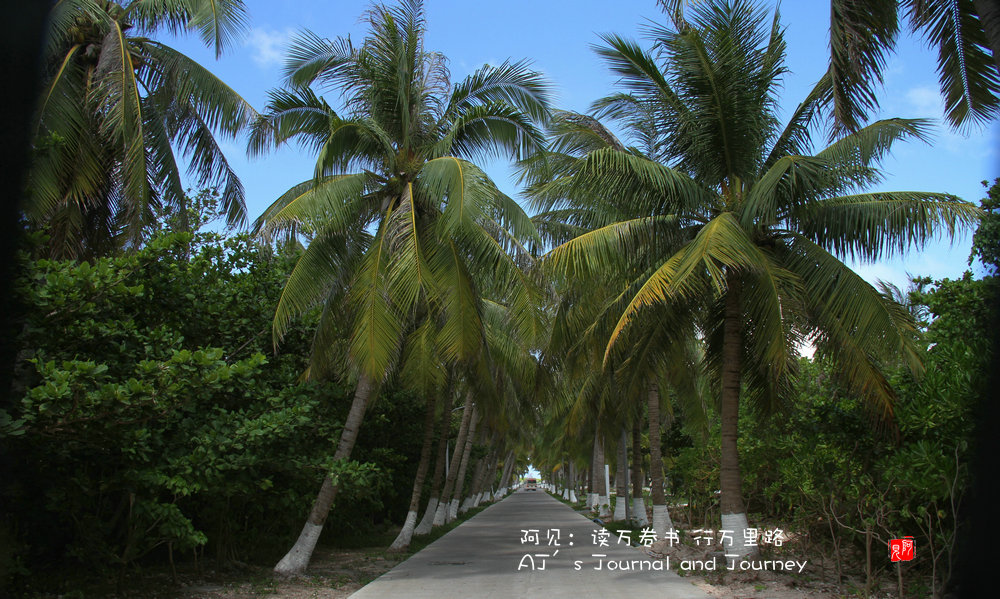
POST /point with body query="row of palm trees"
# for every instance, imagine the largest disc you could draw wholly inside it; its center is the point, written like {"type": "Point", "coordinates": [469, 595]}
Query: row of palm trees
{"type": "Point", "coordinates": [421, 262]}
{"type": "Point", "coordinates": [724, 226]}
{"type": "Point", "coordinates": [693, 253]}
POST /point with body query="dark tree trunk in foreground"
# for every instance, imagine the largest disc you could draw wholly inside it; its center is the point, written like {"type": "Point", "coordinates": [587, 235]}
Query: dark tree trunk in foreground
{"type": "Point", "coordinates": [297, 558]}
{"type": "Point", "coordinates": [403, 539]}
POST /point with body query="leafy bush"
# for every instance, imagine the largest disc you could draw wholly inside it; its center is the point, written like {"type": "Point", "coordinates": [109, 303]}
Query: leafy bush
{"type": "Point", "coordinates": [147, 419]}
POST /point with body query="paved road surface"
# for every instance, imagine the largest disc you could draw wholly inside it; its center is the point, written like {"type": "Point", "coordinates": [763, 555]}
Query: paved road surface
{"type": "Point", "coordinates": [481, 558]}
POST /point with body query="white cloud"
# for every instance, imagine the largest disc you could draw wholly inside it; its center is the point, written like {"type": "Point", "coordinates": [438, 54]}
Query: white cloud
{"type": "Point", "coordinates": [268, 46]}
{"type": "Point", "coordinates": [925, 101]}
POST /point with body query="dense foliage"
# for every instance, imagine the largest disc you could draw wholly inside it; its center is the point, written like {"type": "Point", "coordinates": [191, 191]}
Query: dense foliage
{"type": "Point", "coordinates": [147, 416]}
{"type": "Point", "coordinates": [822, 466]}
{"type": "Point", "coordinates": [151, 420]}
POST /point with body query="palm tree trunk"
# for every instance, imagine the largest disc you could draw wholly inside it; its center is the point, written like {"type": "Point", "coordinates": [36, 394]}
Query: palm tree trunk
{"type": "Point", "coordinates": [297, 558]}
{"type": "Point", "coordinates": [406, 533]}
{"type": "Point", "coordinates": [989, 17]}
{"type": "Point", "coordinates": [508, 471]}
{"type": "Point", "coordinates": [460, 479]}
{"type": "Point", "coordinates": [661, 516]}
{"type": "Point", "coordinates": [503, 477]}
{"type": "Point", "coordinates": [478, 472]}
{"type": "Point", "coordinates": [621, 479]}
{"type": "Point", "coordinates": [567, 480]}
{"type": "Point", "coordinates": [638, 505]}
{"type": "Point", "coordinates": [601, 482]}
{"type": "Point", "coordinates": [490, 466]}
{"type": "Point", "coordinates": [443, 429]}
{"type": "Point", "coordinates": [591, 493]}
{"type": "Point", "coordinates": [442, 508]}
{"type": "Point", "coordinates": [572, 482]}
{"type": "Point", "coordinates": [734, 517]}
{"type": "Point", "coordinates": [489, 477]}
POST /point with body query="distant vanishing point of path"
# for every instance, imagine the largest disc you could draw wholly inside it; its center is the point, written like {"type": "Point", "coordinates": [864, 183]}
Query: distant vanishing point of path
{"type": "Point", "coordinates": [482, 557]}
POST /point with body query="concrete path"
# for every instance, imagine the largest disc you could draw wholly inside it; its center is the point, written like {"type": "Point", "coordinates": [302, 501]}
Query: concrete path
{"type": "Point", "coordinates": [484, 557]}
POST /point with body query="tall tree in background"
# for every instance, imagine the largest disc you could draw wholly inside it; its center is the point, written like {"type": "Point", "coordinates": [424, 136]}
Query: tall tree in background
{"type": "Point", "coordinates": [401, 220]}
{"type": "Point", "coordinates": [114, 107]}
{"type": "Point", "coordinates": [762, 222]}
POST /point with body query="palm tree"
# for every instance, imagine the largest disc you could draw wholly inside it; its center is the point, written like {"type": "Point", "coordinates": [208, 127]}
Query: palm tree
{"type": "Point", "coordinates": [115, 106]}
{"type": "Point", "coordinates": [760, 222]}
{"type": "Point", "coordinates": [656, 353]}
{"type": "Point", "coordinates": [401, 221]}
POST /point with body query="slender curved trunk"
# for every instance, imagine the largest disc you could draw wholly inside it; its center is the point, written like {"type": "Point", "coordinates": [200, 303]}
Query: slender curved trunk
{"type": "Point", "coordinates": [508, 471]}
{"type": "Point", "coordinates": [487, 486]}
{"type": "Point", "coordinates": [492, 467]}
{"type": "Point", "coordinates": [989, 18]}
{"type": "Point", "coordinates": [573, 483]}
{"type": "Point", "coordinates": [297, 558]}
{"type": "Point", "coordinates": [591, 494]}
{"type": "Point", "coordinates": [472, 497]}
{"type": "Point", "coordinates": [566, 481]}
{"type": "Point", "coordinates": [600, 481]}
{"type": "Point", "coordinates": [661, 516]}
{"type": "Point", "coordinates": [621, 479]}
{"type": "Point", "coordinates": [503, 477]}
{"type": "Point", "coordinates": [438, 479]}
{"type": "Point", "coordinates": [638, 505]}
{"type": "Point", "coordinates": [734, 517]}
{"type": "Point", "coordinates": [442, 508]}
{"type": "Point", "coordinates": [406, 533]}
{"type": "Point", "coordinates": [460, 479]}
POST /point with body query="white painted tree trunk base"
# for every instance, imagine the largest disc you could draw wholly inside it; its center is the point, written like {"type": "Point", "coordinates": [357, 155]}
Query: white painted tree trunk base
{"type": "Point", "coordinates": [427, 522]}
{"type": "Point", "coordinates": [565, 494]}
{"type": "Point", "coordinates": [403, 538]}
{"type": "Point", "coordinates": [661, 521]}
{"type": "Point", "coordinates": [441, 514]}
{"type": "Point", "coordinates": [452, 510]}
{"type": "Point", "coordinates": [639, 512]}
{"type": "Point", "coordinates": [619, 514]}
{"type": "Point", "coordinates": [466, 505]}
{"type": "Point", "coordinates": [572, 496]}
{"type": "Point", "coordinates": [592, 501]}
{"type": "Point", "coordinates": [604, 511]}
{"type": "Point", "coordinates": [297, 558]}
{"type": "Point", "coordinates": [737, 523]}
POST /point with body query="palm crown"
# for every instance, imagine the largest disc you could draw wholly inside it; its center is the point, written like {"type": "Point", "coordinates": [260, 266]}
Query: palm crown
{"type": "Point", "coordinates": [403, 225]}
{"type": "Point", "coordinates": [115, 106]}
{"type": "Point", "coordinates": [408, 237]}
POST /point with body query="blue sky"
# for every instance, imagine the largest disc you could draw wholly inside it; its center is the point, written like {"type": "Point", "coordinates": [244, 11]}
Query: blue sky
{"type": "Point", "coordinates": [557, 38]}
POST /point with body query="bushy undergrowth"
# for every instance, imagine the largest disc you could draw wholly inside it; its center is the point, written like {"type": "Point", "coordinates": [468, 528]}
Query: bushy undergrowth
{"type": "Point", "coordinates": [151, 419]}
